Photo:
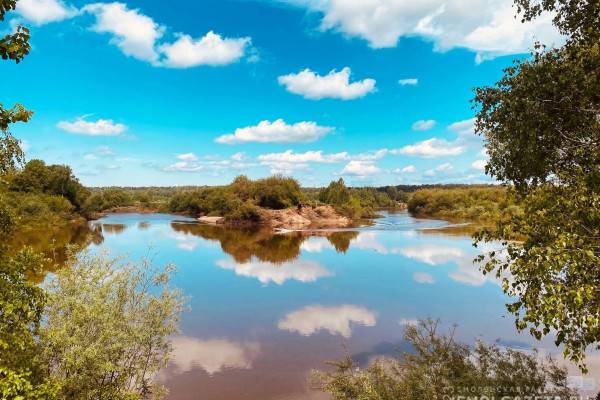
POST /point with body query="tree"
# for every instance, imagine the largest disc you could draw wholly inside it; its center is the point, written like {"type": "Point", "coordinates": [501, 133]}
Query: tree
{"type": "Point", "coordinates": [440, 367]}
{"type": "Point", "coordinates": [541, 122]}
{"type": "Point", "coordinates": [108, 326]}
{"type": "Point", "coordinates": [14, 47]}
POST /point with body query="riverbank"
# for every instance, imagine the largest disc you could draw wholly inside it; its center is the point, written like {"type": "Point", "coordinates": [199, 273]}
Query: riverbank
{"type": "Point", "coordinates": [301, 217]}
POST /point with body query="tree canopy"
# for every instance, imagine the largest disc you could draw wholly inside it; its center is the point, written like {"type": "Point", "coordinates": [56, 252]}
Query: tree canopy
{"type": "Point", "coordinates": [541, 123]}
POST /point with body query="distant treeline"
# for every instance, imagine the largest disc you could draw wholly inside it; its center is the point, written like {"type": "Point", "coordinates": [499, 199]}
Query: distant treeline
{"type": "Point", "coordinates": [40, 194]}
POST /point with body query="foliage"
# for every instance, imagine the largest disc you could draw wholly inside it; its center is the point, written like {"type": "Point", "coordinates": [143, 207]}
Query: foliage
{"type": "Point", "coordinates": [480, 204]}
{"type": "Point", "coordinates": [107, 199]}
{"type": "Point", "coordinates": [441, 367]}
{"type": "Point", "coordinates": [22, 372]}
{"type": "Point", "coordinates": [542, 129]}
{"type": "Point", "coordinates": [354, 202]}
{"type": "Point", "coordinates": [13, 46]}
{"type": "Point", "coordinates": [58, 180]}
{"type": "Point", "coordinates": [107, 328]}
{"type": "Point", "coordinates": [238, 201]}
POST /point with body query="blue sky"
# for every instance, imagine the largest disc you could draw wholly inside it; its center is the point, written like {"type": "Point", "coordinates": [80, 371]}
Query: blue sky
{"type": "Point", "coordinates": [197, 92]}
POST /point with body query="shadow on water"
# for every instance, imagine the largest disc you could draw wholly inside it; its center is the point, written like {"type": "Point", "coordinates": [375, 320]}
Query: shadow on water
{"type": "Point", "coordinates": [262, 243]}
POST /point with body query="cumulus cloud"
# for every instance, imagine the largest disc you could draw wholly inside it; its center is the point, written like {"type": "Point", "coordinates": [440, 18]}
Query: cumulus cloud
{"type": "Point", "coordinates": [276, 132]}
{"type": "Point", "coordinates": [336, 320]}
{"type": "Point", "coordinates": [100, 127]}
{"type": "Point", "coordinates": [431, 148]}
{"type": "Point", "coordinates": [360, 168]}
{"type": "Point", "coordinates": [211, 49]}
{"type": "Point", "coordinates": [408, 81]}
{"type": "Point", "coordinates": [266, 272]}
{"type": "Point", "coordinates": [309, 156]}
{"type": "Point", "coordinates": [212, 355]}
{"type": "Point", "coordinates": [139, 36]}
{"type": "Point", "coordinates": [134, 33]}
{"type": "Point", "coordinates": [44, 11]}
{"type": "Point", "coordinates": [487, 27]}
{"type": "Point", "coordinates": [184, 166]}
{"type": "Point", "coordinates": [423, 278]}
{"type": "Point", "coordinates": [334, 85]}
{"type": "Point", "coordinates": [423, 125]}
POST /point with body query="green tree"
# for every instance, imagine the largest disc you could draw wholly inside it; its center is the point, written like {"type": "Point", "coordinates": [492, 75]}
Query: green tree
{"type": "Point", "coordinates": [22, 372]}
{"type": "Point", "coordinates": [14, 47]}
{"type": "Point", "coordinates": [542, 128]}
{"type": "Point", "coordinates": [440, 367]}
{"type": "Point", "coordinates": [107, 328]}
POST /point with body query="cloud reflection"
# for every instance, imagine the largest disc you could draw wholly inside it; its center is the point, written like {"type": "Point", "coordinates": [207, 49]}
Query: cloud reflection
{"type": "Point", "coordinates": [336, 320]}
{"type": "Point", "coordinates": [266, 272]}
{"type": "Point", "coordinates": [212, 355]}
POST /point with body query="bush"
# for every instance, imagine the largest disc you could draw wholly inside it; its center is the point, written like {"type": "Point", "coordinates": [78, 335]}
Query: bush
{"type": "Point", "coordinates": [440, 367]}
{"type": "Point", "coordinates": [108, 327]}
{"type": "Point", "coordinates": [278, 192]}
{"type": "Point", "coordinates": [482, 204]}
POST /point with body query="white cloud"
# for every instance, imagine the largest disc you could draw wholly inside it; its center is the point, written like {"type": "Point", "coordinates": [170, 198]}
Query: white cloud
{"type": "Point", "coordinates": [138, 35]}
{"type": "Point", "coordinates": [133, 32]}
{"type": "Point", "coordinates": [479, 165]}
{"type": "Point", "coordinates": [432, 148]}
{"type": "Point", "coordinates": [423, 278]}
{"type": "Point", "coordinates": [446, 167]}
{"type": "Point", "coordinates": [408, 81]}
{"type": "Point", "coordinates": [239, 156]}
{"type": "Point", "coordinates": [211, 49]}
{"type": "Point", "coordinates": [44, 11]}
{"type": "Point", "coordinates": [266, 272]}
{"type": "Point", "coordinates": [360, 168]}
{"type": "Point", "coordinates": [101, 127]}
{"type": "Point", "coordinates": [334, 85]}
{"type": "Point", "coordinates": [487, 27]}
{"type": "Point", "coordinates": [408, 322]}
{"type": "Point", "coordinates": [336, 320]}
{"type": "Point", "coordinates": [423, 125]}
{"type": "Point", "coordinates": [465, 127]}
{"type": "Point", "coordinates": [187, 157]}
{"type": "Point", "coordinates": [212, 355]}
{"type": "Point", "coordinates": [184, 166]}
{"type": "Point", "coordinates": [276, 132]}
{"type": "Point", "coordinates": [409, 169]}
{"type": "Point", "coordinates": [310, 156]}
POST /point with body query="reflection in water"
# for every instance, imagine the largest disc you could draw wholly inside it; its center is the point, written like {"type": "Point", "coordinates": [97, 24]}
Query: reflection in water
{"type": "Point", "coordinates": [113, 229]}
{"type": "Point", "coordinates": [245, 243]}
{"type": "Point", "coordinates": [336, 320]}
{"type": "Point", "coordinates": [212, 355]}
{"type": "Point", "coordinates": [266, 272]}
{"type": "Point", "coordinates": [55, 243]}
{"type": "Point", "coordinates": [285, 302]}
{"type": "Point", "coordinates": [433, 254]}
{"type": "Point", "coordinates": [144, 225]}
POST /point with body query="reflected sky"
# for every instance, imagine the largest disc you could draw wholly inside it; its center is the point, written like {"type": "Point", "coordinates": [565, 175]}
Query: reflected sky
{"type": "Point", "coordinates": [268, 308]}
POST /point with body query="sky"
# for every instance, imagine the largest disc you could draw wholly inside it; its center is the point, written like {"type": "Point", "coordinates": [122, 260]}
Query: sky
{"type": "Point", "coordinates": [156, 93]}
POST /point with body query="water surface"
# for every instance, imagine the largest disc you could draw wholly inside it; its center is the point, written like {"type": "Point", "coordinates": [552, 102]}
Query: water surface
{"type": "Point", "coordinates": [268, 308]}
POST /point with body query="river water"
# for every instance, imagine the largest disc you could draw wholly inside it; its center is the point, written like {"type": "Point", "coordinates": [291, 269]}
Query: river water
{"type": "Point", "coordinates": [267, 308]}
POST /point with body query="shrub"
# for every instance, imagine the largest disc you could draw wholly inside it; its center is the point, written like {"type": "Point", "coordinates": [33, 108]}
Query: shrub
{"type": "Point", "coordinates": [440, 367]}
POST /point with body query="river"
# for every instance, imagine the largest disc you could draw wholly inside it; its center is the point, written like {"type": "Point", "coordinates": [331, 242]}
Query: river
{"type": "Point", "coordinates": [267, 308]}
